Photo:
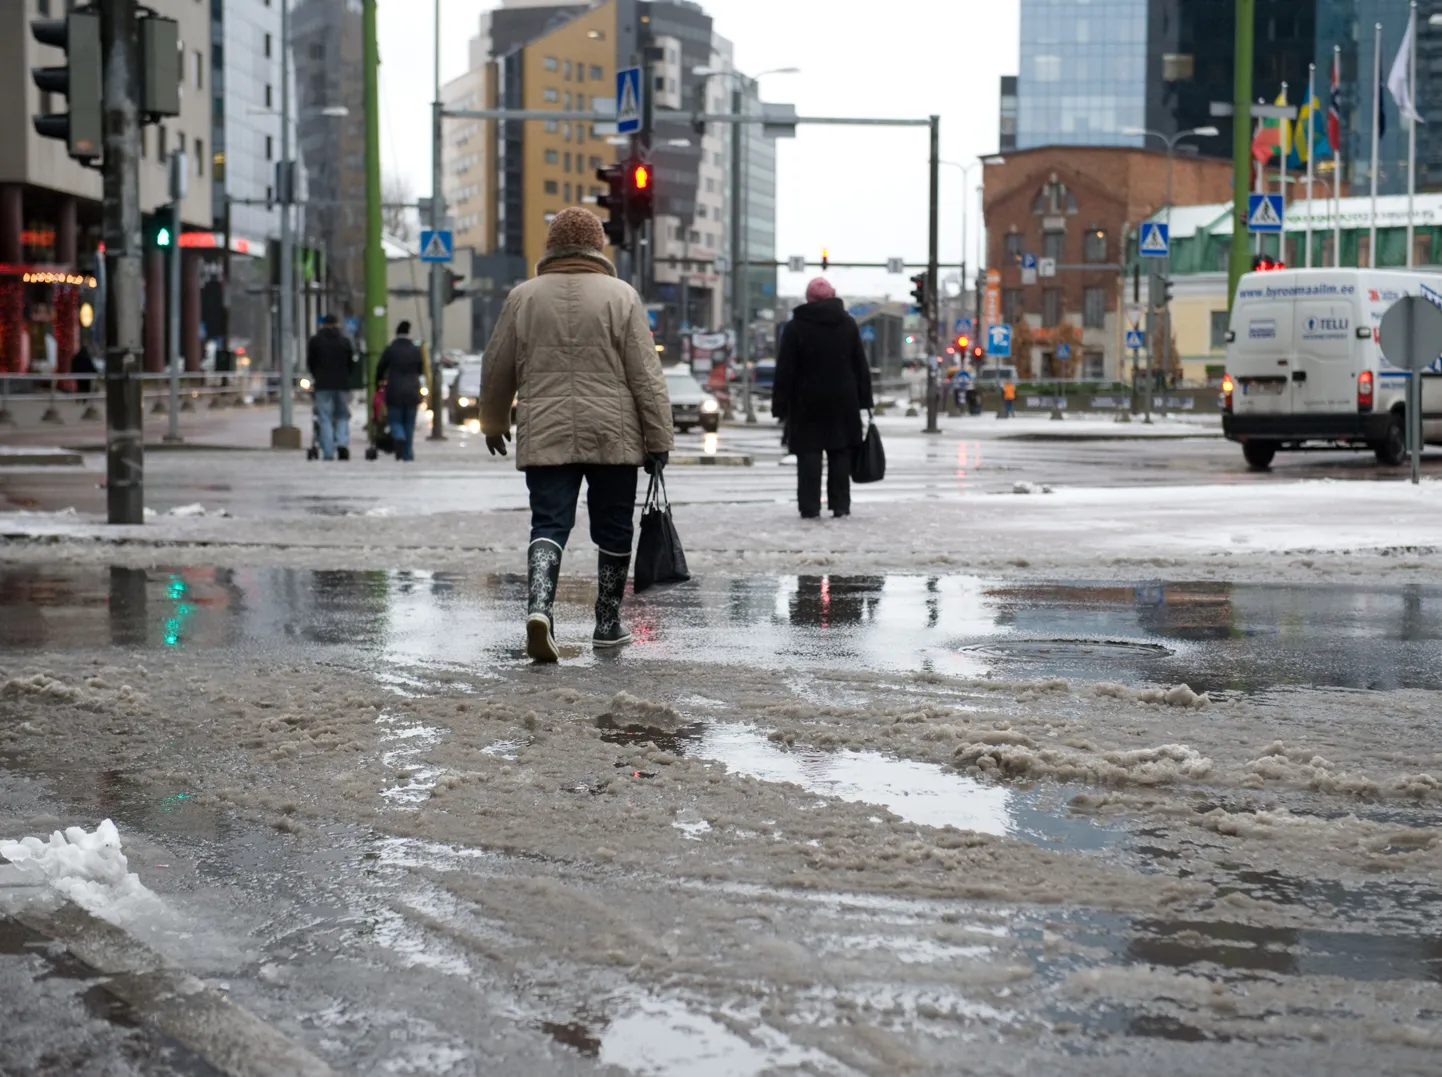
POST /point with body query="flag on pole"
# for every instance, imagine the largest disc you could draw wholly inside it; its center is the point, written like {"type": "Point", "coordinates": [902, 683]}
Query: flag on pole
{"type": "Point", "coordinates": [1321, 141]}
{"type": "Point", "coordinates": [1272, 136]}
{"type": "Point", "coordinates": [1334, 107]}
{"type": "Point", "coordinates": [1399, 80]}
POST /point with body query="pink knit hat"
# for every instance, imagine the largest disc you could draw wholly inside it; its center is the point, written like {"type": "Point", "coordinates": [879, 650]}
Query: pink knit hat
{"type": "Point", "coordinates": [819, 289]}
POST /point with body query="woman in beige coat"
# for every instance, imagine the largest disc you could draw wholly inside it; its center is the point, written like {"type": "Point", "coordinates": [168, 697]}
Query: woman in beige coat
{"type": "Point", "coordinates": [574, 348]}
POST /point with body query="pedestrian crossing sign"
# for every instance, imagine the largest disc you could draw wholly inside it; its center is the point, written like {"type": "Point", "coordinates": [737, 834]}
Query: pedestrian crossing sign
{"type": "Point", "coordinates": [1156, 240]}
{"type": "Point", "coordinates": [436, 246]}
{"type": "Point", "coordinates": [1264, 213]}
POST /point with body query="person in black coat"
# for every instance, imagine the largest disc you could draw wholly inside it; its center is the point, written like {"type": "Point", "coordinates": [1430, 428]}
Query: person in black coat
{"type": "Point", "coordinates": [823, 383]}
{"type": "Point", "coordinates": [402, 368]}
{"type": "Point", "coordinates": [331, 360]}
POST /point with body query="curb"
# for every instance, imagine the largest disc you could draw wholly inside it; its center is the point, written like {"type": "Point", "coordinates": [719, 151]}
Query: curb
{"type": "Point", "coordinates": [712, 460]}
{"type": "Point", "coordinates": [40, 458]}
{"type": "Point", "coordinates": [174, 1002]}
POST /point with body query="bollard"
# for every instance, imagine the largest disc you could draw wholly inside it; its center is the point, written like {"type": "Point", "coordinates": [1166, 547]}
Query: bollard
{"type": "Point", "coordinates": [52, 413]}
{"type": "Point", "coordinates": [6, 419]}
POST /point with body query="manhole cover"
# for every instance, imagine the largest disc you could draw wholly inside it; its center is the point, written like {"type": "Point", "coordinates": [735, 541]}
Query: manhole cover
{"type": "Point", "coordinates": [1070, 649]}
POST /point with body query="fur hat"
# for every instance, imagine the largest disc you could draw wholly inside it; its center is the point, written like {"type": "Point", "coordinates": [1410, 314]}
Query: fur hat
{"type": "Point", "coordinates": [575, 228]}
{"type": "Point", "coordinates": [819, 289]}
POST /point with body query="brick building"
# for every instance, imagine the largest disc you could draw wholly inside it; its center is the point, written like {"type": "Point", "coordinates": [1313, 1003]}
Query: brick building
{"type": "Point", "coordinates": [1074, 207]}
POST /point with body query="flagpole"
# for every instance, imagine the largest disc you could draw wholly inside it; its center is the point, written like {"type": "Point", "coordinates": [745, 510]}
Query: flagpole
{"type": "Point", "coordinates": [1282, 177]}
{"type": "Point", "coordinates": [1376, 117]}
{"type": "Point", "coordinates": [1261, 181]}
{"type": "Point", "coordinates": [1311, 127]}
{"type": "Point", "coordinates": [1411, 131]}
{"type": "Point", "coordinates": [1337, 167]}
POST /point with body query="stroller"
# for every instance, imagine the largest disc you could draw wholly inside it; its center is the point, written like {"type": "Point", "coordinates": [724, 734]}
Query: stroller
{"type": "Point", "coordinates": [378, 428]}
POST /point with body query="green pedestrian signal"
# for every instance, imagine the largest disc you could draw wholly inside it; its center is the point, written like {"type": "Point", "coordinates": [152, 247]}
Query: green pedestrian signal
{"type": "Point", "coordinates": [162, 237]}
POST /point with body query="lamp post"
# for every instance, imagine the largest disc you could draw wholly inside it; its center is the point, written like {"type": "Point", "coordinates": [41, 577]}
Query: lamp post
{"type": "Point", "coordinates": [1170, 141]}
{"type": "Point", "coordinates": [740, 269]}
{"type": "Point", "coordinates": [965, 171]}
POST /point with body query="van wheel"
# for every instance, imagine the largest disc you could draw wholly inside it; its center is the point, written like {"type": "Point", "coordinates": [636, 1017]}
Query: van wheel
{"type": "Point", "coordinates": [1259, 454]}
{"type": "Point", "coordinates": [1393, 451]}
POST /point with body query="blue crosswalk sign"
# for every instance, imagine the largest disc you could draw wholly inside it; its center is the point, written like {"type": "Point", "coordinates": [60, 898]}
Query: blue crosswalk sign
{"type": "Point", "coordinates": [436, 246]}
{"type": "Point", "coordinates": [1264, 213]}
{"type": "Point", "coordinates": [1156, 240]}
{"type": "Point", "coordinates": [1134, 339]}
{"type": "Point", "coordinates": [628, 100]}
{"type": "Point", "coordinates": [998, 341]}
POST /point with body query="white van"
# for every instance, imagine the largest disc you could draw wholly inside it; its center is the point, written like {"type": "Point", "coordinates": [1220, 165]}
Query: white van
{"type": "Point", "coordinates": [1304, 368]}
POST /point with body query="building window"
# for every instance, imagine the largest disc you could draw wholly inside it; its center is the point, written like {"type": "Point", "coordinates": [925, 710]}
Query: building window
{"type": "Point", "coordinates": [550, 63]}
{"type": "Point", "coordinates": [552, 187]}
{"type": "Point", "coordinates": [595, 162]}
{"type": "Point", "coordinates": [199, 70]}
{"type": "Point", "coordinates": [1011, 311]}
{"type": "Point", "coordinates": [1051, 307]}
{"type": "Point", "coordinates": [566, 132]}
{"type": "Point", "coordinates": [1094, 246]}
{"type": "Point", "coordinates": [269, 148]}
{"type": "Point", "coordinates": [701, 211]}
{"type": "Point", "coordinates": [553, 157]}
{"type": "Point", "coordinates": [596, 72]}
{"type": "Point", "coordinates": [552, 127]}
{"type": "Point", "coordinates": [567, 165]}
{"type": "Point", "coordinates": [1094, 365]}
{"type": "Point", "coordinates": [567, 74]}
{"type": "Point", "coordinates": [267, 45]}
{"type": "Point", "coordinates": [1178, 66]}
{"type": "Point", "coordinates": [695, 237]}
{"type": "Point", "coordinates": [1219, 330]}
{"type": "Point", "coordinates": [1094, 308]}
{"type": "Point", "coordinates": [580, 72]}
{"type": "Point", "coordinates": [1014, 250]}
{"type": "Point", "coordinates": [567, 195]}
{"type": "Point", "coordinates": [568, 101]}
{"type": "Point", "coordinates": [551, 94]}
{"type": "Point", "coordinates": [710, 186]}
{"type": "Point", "coordinates": [199, 157]}
{"type": "Point", "coordinates": [1051, 245]}
{"type": "Point", "coordinates": [268, 97]}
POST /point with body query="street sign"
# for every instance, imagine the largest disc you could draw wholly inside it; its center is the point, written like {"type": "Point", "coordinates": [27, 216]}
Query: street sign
{"type": "Point", "coordinates": [1134, 317]}
{"type": "Point", "coordinates": [962, 325]}
{"type": "Point", "coordinates": [868, 333]}
{"type": "Point", "coordinates": [1063, 351]}
{"type": "Point", "coordinates": [722, 263]}
{"type": "Point", "coordinates": [1028, 269]}
{"type": "Point", "coordinates": [998, 341]}
{"type": "Point", "coordinates": [352, 326]}
{"type": "Point", "coordinates": [796, 263]}
{"type": "Point", "coordinates": [1134, 339]}
{"type": "Point", "coordinates": [1046, 267]}
{"type": "Point", "coordinates": [436, 246]}
{"type": "Point", "coordinates": [1156, 240]}
{"type": "Point", "coordinates": [1264, 213]}
{"type": "Point", "coordinates": [896, 265]}
{"type": "Point", "coordinates": [628, 100]}
{"type": "Point", "coordinates": [651, 320]}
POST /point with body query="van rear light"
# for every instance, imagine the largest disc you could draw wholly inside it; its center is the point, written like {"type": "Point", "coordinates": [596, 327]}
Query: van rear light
{"type": "Point", "coordinates": [1228, 387]}
{"type": "Point", "coordinates": [1364, 391]}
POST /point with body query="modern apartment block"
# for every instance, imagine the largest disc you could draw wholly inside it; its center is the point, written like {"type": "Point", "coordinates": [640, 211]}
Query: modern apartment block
{"type": "Point", "coordinates": [50, 205]}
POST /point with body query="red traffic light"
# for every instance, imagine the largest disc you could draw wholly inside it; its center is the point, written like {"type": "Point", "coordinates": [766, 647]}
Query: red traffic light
{"type": "Point", "coordinates": [1263, 263]}
{"type": "Point", "coordinates": [963, 342]}
{"type": "Point", "coordinates": [640, 177]}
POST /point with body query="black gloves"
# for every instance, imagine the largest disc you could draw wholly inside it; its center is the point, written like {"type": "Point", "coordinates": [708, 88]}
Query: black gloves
{"type": "Point", "coordinates": [497, 443]}
{"type": "Point", "coordinates": [655, 461]}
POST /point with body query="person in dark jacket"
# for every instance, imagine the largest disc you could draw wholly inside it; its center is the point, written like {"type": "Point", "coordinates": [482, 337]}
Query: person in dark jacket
{"type": "Point", "coordinates": [402, 368]}
{"type": "Point", "coordinates": [823, 383]}
{"type": "Point", "coordinates": [331, 360]}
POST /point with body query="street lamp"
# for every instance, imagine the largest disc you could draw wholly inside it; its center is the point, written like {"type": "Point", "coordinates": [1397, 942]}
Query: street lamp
{"type": "Point", "coordinates": [965, 171]}
{"type": "Point", "coordinates": [1170, 141]}
{"type": "Point", "coordinates": [740, 270]}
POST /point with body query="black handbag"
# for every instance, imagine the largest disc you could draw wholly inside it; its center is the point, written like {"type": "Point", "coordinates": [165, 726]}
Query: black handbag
{"type": "Point", "coordinates": [660, 561]}
{"type": "Point", "coordinates": [869, 462]}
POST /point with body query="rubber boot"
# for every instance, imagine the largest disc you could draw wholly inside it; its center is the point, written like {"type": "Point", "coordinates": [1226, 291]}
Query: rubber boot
{"type": "Point", "coordinates": [543, 571]}
{"type": "Point", "coordinates": [611, 571]}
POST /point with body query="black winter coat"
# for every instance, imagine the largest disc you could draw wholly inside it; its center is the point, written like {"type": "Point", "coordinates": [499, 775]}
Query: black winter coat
{"type": "Point", "coordinates": [822, 379]}
{"type": "Point", "coordinates": [401, 368]}
{"type": "Point", "coordinates": [330, 359]}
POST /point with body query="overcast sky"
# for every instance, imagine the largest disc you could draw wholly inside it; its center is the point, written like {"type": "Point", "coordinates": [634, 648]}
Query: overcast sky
{"type": "Point", "coordinates": [859, 192]}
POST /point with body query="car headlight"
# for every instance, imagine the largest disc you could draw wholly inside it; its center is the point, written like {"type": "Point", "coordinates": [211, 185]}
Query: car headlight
{"type": "Point", "coordinates": [305, 383]}
{"type": "Point", "coordinates": [464, 401]}
{"type": "Point", "coordinates": [709, 406]}
{"type": "Point", "coordinates": [425, 391]}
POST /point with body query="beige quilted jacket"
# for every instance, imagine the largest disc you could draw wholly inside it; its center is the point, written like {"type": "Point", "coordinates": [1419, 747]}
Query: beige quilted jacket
{"type": "Point", "coordinates": [573, 346]}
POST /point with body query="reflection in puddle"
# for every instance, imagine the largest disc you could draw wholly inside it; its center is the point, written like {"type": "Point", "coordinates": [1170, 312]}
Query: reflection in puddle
{"type": "Point", "coordinates": [414, 781]}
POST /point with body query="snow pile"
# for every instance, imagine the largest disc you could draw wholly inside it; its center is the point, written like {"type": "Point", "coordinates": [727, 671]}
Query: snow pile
{"type": "Point", "coordinates": [88, 868]}
{"type": "Point", "coordinates": [39, 686]}
{"type": "Point", "coordinates": [1017, 756]}
{"type": "Point", "coordinates": [1180, 695]}
{"type": "Point", "coordinates": [197, 510]}
{"type": "Point", "coordinates": [1031, 488]}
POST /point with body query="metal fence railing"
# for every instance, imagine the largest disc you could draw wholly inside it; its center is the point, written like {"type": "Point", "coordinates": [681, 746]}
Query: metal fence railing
{"type": "Point", "coordinates": [64, 400]}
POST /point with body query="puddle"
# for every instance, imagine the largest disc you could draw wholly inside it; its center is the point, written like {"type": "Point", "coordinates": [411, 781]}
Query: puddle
{"type": "Point", "coordinates": [1213, 636]}
{"type": "Point", "coordinates": [413, 781]}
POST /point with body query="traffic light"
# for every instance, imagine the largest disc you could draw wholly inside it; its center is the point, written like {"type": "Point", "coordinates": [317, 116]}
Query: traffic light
{"type": "Point", "coordinates": [921, 291]}
{"type": "Point", "coordinates": [160, 67]}
{"type": "Point", "coordinates": [1265, 263]}
{"type": "Point", "coordinates": [162, 235]}
{"type": "Point", "coordinates": [614, 200]}
{"type": "Point", "coordinates": [80, 81]}
{"type": "Point", "coordinates": [640, 192]}
{"type": "Point", "coordinates": [977, 358]}
{"type": "Point", "coordinates": [825, 259]}
{"type": "Point", "coordinates": [452, 289]}
{"type": "Point", "coordinates": [963, 342]}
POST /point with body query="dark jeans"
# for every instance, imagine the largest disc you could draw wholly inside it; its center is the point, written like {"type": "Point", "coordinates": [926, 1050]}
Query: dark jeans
{"type": "Point", "coordinates": [610, 499]}
{"type": "Point", "coordinates": [403, 429]}
{"type": "Point", "coordinates": [838, 481]}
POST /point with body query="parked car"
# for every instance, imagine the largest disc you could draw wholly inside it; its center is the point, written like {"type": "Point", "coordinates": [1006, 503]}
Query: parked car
{"type": "Point", "coordinates": [465, 394]}
{"type": "Point", "coordinates": [691, 405]}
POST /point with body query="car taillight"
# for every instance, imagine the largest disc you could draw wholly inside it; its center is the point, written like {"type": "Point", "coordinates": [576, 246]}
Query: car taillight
{"type": "Point", "coordinates": [1364, 391]}
{"type": "Point", "coordinates": [1228, 387]}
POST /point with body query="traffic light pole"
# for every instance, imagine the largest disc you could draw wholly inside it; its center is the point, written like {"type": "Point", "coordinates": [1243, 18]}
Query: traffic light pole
{"type": "Point", "coordinates": [375, 257]}
{"type": "Point", "coordinates": [286, 435]}
{"type": "Point", "coordinates": [172, 435]}
{"type": "Point", "coordinates": [438, 270]}
{"type": "Point", "coordinates": [124, 433]}
{"type": "Point", "coordinates": [933, 276]}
